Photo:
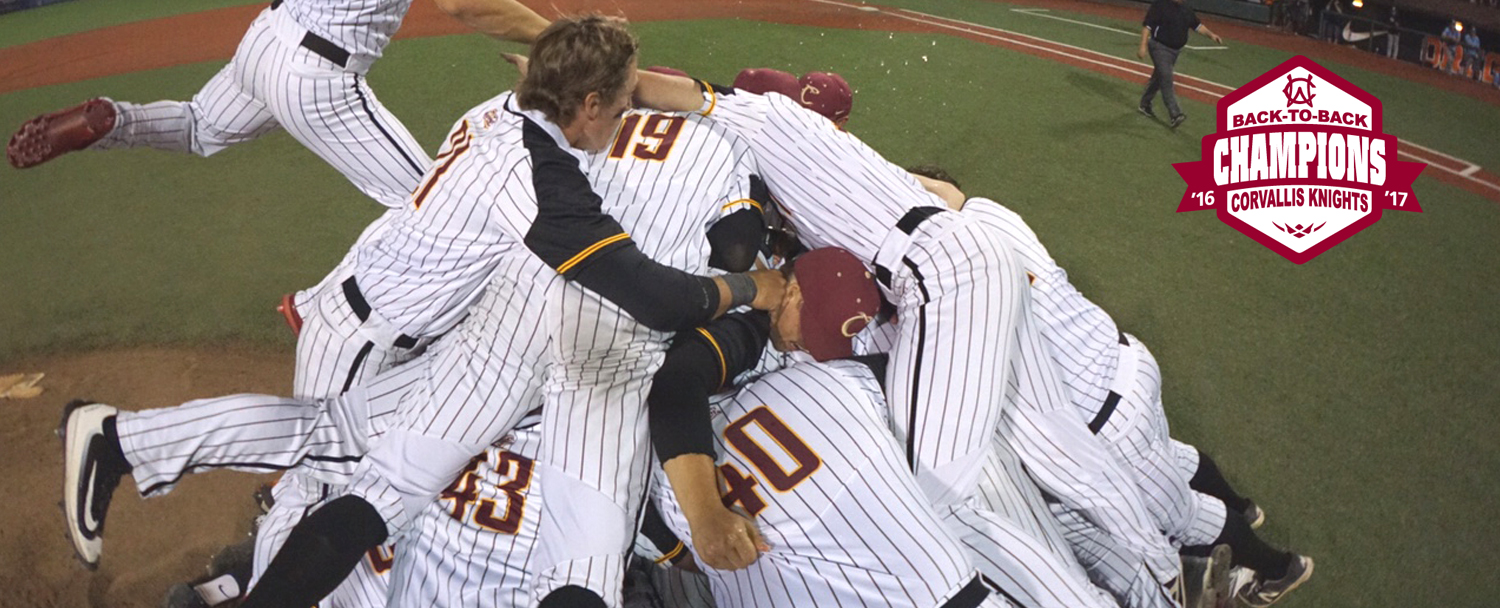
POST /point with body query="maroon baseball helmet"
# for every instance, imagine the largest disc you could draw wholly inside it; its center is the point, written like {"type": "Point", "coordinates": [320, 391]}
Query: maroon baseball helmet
{"type": "Point", "coordinates": [767, 80]}
{"type": "Point", "coordinates": [661, 69]}
{"type": "Point", "coordinates": [826, 93]}
{"type": "Point", "coordinates": [839, 299]}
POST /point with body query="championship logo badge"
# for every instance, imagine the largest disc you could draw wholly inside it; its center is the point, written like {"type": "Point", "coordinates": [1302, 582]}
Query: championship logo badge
{"type": "Point", "coordinates": [1299, 162]}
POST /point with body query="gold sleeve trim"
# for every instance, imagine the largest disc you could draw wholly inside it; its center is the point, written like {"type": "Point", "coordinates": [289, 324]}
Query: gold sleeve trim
{"type": "Point", "coordinates": [573, 261]}
{"type": "Point", "coordinates": [723, 367]}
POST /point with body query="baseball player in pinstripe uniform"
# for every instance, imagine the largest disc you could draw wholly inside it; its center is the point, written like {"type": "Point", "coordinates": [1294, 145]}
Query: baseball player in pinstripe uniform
{"type": "Point", "coordinates": [807, 451]}
{"type": "Point", "coordinates": [506, 148]}
{"type": "Point", "coordinates": [956, 359]}
{"type": "Point", "coordinates": [694, 176]}
{"type": "Point", "coordinates": [472, 547]}
{"type": "Point", "coordinates": [435, 442]}
{"type": "Point", "coordinates": [300, 67]}
{"type": "Point", "coordinates": [839, 192]}
{"type": "Point", "coordinates": [1116, 384]}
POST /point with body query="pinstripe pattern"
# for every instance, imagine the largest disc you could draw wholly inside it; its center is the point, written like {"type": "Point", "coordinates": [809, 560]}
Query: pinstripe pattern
{"type": "Point", "coordinates": [253, 433]}
{"type": "Point", "coordinates": [1111, 566]}
{"type": "Point", "coordinates": [956, 284]}
{"type": "Point", "coordinates": [838, 191]}
{"type": "Point", "coordinates": [273, 82]}
{"type": "Point", "coordinates": [1070, 463]}
{"type": "Point", "coordinates": [423, 272]}
{"type": "Point", "coordinates": [362, 27]}
{"type": "Point", "coordinates": [452, 560]}
{"type": "Point", "coordinates": [1018, 543]}
{"type": "Point", "coordinates": [959, 301]}
{"type": "Point", "coordinates": [329, 345]}
{"type": "Point", "coordinates": [858, 530]}
{"type": "Point", "coordinates": [603, 360]}
{"type": "Point", "coordinates": [1083, 341]}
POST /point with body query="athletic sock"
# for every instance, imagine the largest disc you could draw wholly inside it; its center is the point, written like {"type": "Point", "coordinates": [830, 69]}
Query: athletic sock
{"type": "Point", "coordinates": [1209, 480]}
{"type": "Point", "coordinates": [116, 452]}
{"type": "Point", "coordinates": [318, 554]}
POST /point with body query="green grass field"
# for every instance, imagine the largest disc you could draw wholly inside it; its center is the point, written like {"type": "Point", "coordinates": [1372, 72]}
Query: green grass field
{"type": "Point", "coordinates": [1354, 396]}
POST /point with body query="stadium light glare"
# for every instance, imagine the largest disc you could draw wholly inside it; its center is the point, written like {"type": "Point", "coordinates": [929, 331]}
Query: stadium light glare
{"type": "Point", "coordinates": [1359, 3]}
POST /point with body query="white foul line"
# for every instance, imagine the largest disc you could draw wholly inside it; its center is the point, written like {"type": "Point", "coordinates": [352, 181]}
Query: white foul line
{"type": "Point", "coordinates": [1042, 12]}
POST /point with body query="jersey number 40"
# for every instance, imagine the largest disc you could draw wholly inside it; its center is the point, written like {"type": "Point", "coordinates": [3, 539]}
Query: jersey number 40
{"type": "Point", "coordinates": [795, 464]}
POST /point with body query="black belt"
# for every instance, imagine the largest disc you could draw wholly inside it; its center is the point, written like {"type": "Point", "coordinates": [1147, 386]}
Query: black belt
{"type": "Point", "coordinates": [361, 308]}
{"type": "Point", "coordinates": [1110, 402]}
{"type": "Point", "coordinates": [908, 224]}
{"type": "Point", "coordinates": [321, 46]}
{"type": "Point", "coordinates": [971, 596]}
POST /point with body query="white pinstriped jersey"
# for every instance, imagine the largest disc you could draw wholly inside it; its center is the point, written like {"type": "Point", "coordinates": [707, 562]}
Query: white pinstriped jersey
{"type": "Point", "coordinates": [855, 211]}
{"type": "Point", "coordinates": [472, 547]}
{"type": "Point", "coordinates": [669, 177]}
{"type": "Point", "coordinates": [1081, 337]}
{"type": "Point", "coordinates": [666, 178]}
{"type": "Point", "coordinates": [804, 451]}
{"type": "Point", "coordinates": [475, 205]}
{"type": "Point", "coordinates": [361, 27]}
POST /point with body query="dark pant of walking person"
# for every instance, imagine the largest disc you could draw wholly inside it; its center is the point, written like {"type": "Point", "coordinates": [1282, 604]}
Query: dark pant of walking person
{"type": "Point", "coordinates": [1164, 58]}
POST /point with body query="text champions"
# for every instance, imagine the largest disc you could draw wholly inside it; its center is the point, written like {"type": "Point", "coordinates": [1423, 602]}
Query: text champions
{"type": "Point", "coordinates": [1300, 155]}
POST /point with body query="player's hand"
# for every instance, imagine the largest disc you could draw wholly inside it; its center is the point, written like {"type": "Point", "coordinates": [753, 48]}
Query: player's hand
{"type": "Point", "coordinates": [1218, 39]}
{"type": "Point", "coordinates": [726, 540]}
{"type": "Point", "coordinates": [770, 288]}
{"type": "Point", "coordinates": [520, 61]}
{"type": "Point", "coordinates": [1140, 53]}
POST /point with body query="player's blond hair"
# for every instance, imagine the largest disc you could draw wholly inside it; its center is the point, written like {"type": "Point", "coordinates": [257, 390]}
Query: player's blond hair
{"type": "Point", "coordinates": [573, 57]}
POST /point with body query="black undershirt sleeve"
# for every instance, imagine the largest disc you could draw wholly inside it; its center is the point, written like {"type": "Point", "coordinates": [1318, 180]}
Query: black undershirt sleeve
{"type": "Point", "coordinates": [572, 234]}
{"type": "Point", "coordinates": [735, 239]}
{"type": "Point", "coordinates": [700, 363]}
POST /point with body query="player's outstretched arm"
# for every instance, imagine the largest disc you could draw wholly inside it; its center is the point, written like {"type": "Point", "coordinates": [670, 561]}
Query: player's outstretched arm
{"type": "Point", "coordinates": [654, 91]}
{"type": "Point", "coordinates": [503, 19]}
{"type": "Point", "coordinates": [699, 364]}
{"type": "Point", "coordinates": [668, 93]}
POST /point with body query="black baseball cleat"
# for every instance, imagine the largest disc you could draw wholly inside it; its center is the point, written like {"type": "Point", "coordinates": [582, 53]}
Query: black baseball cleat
{"type": "Point", "coordinates": [1255, 515]}
{"type": "Point", "coordinates": [182, 595]}
{"type": "Point", "coordinates": [92, 467]}
{"type": "Point", "coordinates": [1177, 120]}
{"type": "Point", "coordinates": [1146, 109]}
{"type": "Point", "coordinates": [1260, 593]}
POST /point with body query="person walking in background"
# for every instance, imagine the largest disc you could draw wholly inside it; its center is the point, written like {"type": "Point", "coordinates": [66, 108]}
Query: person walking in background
{"type": "Point", "coordinates": [1163, 34]}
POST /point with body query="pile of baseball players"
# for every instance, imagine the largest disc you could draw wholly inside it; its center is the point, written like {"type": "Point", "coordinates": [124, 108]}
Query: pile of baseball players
{"type": "Point", "coordinates": [636, 339]}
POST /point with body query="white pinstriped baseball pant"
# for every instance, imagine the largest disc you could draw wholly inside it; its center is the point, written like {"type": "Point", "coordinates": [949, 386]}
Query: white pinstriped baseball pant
{"type": "Point", "coordinates": [1137, 434]}
{"type": "Point", "coordinates": [268, 84]}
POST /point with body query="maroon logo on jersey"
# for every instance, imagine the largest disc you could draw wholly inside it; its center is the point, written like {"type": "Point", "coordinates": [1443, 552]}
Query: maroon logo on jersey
{"type": "Point", "coordinates": [1299, 177]}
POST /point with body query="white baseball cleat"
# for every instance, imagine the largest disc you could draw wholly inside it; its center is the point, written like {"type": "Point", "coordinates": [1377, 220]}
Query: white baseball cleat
{"type": "Point", "coordinates": [92, 467]}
